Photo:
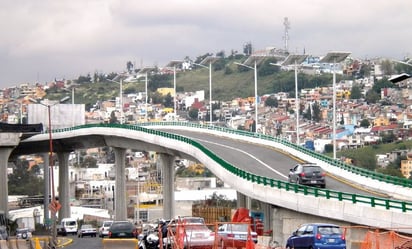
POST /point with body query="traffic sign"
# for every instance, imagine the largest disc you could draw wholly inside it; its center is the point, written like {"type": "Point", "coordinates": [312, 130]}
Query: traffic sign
{"type": "Point", "coordinates": [54, 206]}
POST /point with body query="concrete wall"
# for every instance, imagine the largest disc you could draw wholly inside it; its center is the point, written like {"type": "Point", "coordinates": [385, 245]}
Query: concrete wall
{"type": "Point", "coordinates": [285, 221]}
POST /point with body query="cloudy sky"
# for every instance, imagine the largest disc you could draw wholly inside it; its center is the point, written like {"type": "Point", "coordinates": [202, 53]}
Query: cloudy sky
{"type": "Point", "coordinates": [46, 39]}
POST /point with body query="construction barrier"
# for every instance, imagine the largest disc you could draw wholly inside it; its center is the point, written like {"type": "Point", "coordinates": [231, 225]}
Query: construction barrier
{"type": "Point", "coordinates": [386, 240]}
{"type": "Point", "coordinates": [15, 244]}
{"type": "Point", "coordinates": [120, 243]}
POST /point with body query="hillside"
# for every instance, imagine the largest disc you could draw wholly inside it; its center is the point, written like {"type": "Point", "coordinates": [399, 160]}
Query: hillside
{"type": "Point", "coordinates": [229, 81]}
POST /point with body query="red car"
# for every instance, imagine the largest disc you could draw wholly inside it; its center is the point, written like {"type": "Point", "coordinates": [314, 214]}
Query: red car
{"type": "Point", "coordinates": [235, 235]}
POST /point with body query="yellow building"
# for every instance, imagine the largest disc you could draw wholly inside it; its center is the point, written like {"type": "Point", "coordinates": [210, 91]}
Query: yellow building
{"type": "Point", "coordinates": [165, 90]}
{"type": "Point", "coordinates": [381, 121]}
{"type": "Point", "coordinates": [406, 166]}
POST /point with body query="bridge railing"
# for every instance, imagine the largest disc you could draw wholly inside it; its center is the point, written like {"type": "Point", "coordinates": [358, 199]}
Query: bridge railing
{"type": "Point", "coordinates": [262, 180]}
{"type": "Point", "coordinates": [333, 162]}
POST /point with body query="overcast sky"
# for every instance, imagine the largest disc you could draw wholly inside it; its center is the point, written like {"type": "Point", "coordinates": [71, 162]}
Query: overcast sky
{"type": "Point", "coordinates": [46, 39]}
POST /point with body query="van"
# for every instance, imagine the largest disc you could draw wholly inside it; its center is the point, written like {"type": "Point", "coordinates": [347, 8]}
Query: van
{"type": "Point", "coordinates": [69, 225]}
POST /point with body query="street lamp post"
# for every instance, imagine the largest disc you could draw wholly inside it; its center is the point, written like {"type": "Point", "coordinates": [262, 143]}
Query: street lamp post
{"type": "Point", "coordinates": [120, 97]}
{"type": "Point", "coordinates": [334, 57]}
{"type": "Point", "coordinates": [295, 60]}
{"type": "Point", "coordinates": [143, 72]}
{"type": "Point", "coordinates": [209, 60]}
{"type": "Point", "coordinates": [173, 64]}
{"type": "Point", "coordinates": [51, 165]}
{"type": "Point", "coordinates": [256, 96]}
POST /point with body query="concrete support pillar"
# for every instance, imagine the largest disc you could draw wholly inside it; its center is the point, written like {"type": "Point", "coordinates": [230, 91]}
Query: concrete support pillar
{"type": "Point", "coordinates": [4, 193]}
{"type": "Point", "coordinates": [46, 177]}
{"type": "Point", "coordinates": [267, 215]}
{"type": "Point", "coordinates": [64, 187]}
{"type": "Point", "coordinates": [241, 200]}
{"type": "Point", "coordinates": [120, 185]}
{"type": "Point", "coordinates": [8, 141]}
{"type": "Point", "coordinates": [167, 164]}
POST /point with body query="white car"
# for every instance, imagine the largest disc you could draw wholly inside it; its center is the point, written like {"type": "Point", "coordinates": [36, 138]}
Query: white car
{"type": "Point", "coordinates": [104, 229]}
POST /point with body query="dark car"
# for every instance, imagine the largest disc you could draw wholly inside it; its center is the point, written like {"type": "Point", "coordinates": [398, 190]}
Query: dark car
{"type": "Point", "coordinates": [122, 229]}
{"type": "Point", "coordinates": [87, 230]}
{"type": "Point", "coordinates": [317, 235]}
{"type": "Point", "coordinates": [308, 174]}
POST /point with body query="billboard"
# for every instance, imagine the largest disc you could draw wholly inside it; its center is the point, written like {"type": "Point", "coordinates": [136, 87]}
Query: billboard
{"type": "Point", "coordinates": [61, 115]}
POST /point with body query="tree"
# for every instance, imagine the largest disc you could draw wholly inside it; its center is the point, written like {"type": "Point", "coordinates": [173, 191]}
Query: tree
{"type": "Point", "coordinates": [387, 67]}
{"type": "Point", "coordinates": [113, 118]}
{"type": "Point", "coordinates": [316, 114]}
{"type": "Point", "coordinates": [308, 113]}
{"type": "Point", "coordinates": [355, 92]}
{"type": "Point", "coordinates": [380, 84]}
{"type": "Point", "coordinates": [193, 113]}
{"type": "Point", "coordinates": [24, 179]}
{"type": "Point", "coordinates": [168, 101]}
{"type": "Point", "coordinates": [365, 123]}
{"type": "Point", "coordinates": [371, 97]}
{"type": "Point", "coordinates": [271, 101]}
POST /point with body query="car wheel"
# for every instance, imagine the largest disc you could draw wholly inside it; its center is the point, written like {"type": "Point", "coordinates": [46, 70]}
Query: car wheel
{"type": "Point", "coordinates": [288, 247]}
{"type": "Point", "coordinates": [24, 236]}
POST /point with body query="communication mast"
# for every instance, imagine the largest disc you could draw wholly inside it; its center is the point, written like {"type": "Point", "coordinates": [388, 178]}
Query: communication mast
{"type": "Point", "coordinates": [286, 24]}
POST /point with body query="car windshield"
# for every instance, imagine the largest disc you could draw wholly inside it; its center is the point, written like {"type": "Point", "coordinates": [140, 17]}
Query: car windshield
{"type": "Point", "coordinates": [315, 169]}
{"type": "Point", "coordinates": [193, 220]}
{"type": "Point", "coordinates": [238, 227]}
{"type": "Point", "coordinates": [121, 225]}
{"type": "Point", "coordinates": [87, 226]}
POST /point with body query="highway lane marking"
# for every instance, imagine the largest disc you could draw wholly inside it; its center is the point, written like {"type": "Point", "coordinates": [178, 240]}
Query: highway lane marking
{"type": "Point", "coordinates": [248, 154]}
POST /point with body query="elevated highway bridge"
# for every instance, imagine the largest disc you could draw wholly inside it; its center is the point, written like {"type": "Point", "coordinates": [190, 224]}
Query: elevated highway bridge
{"type": "Point", "coordinates": [255, 165]}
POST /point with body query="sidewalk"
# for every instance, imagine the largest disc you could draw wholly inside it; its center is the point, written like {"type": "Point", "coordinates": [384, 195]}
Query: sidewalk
{"type": "Point", "coordinates": [41, 242]}
{"type": "Point", "coordinates": [37, 242]}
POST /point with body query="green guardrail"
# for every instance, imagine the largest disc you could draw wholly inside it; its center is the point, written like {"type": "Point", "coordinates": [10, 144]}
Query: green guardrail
{"type": "Point", "coordinates": [306, 190]}
{"type": "Point", "coordinates": [336, 163]}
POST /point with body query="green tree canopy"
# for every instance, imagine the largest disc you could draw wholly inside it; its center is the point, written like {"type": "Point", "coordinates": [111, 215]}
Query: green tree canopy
{"type": "Point", "coordinates": [355, 92]}
{"type": "Point", "coordinates": [24, 180]}
{"type": "Point", "coordinates": [365, 123]}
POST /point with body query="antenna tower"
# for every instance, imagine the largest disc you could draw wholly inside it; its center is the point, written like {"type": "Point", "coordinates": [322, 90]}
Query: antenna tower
{"type": "Point", "coordinates": [286, 24]}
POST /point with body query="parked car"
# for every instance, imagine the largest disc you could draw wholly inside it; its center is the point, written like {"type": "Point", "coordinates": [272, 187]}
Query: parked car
{"type": "Point", "coordinates": [308, 174]}
{"type": "Point", "coordinates": [122, 229]}
{"type": "Point", "coordinates": [87, 230]}
{"type": "Point", "coordinates": [235, 235]}
{"type": "Point", "coordinates": [194, 232]}
{"type": "Point", "coordinates": [104, 229]}
{"type": "Point", "coordinates": [317, 235]}
{"type": "Point", "coordinates": [61, 230]}
{"type": "Point", "coordinates": [68, 226]}
{"type": "Point", "coordinates": [23, 233]}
